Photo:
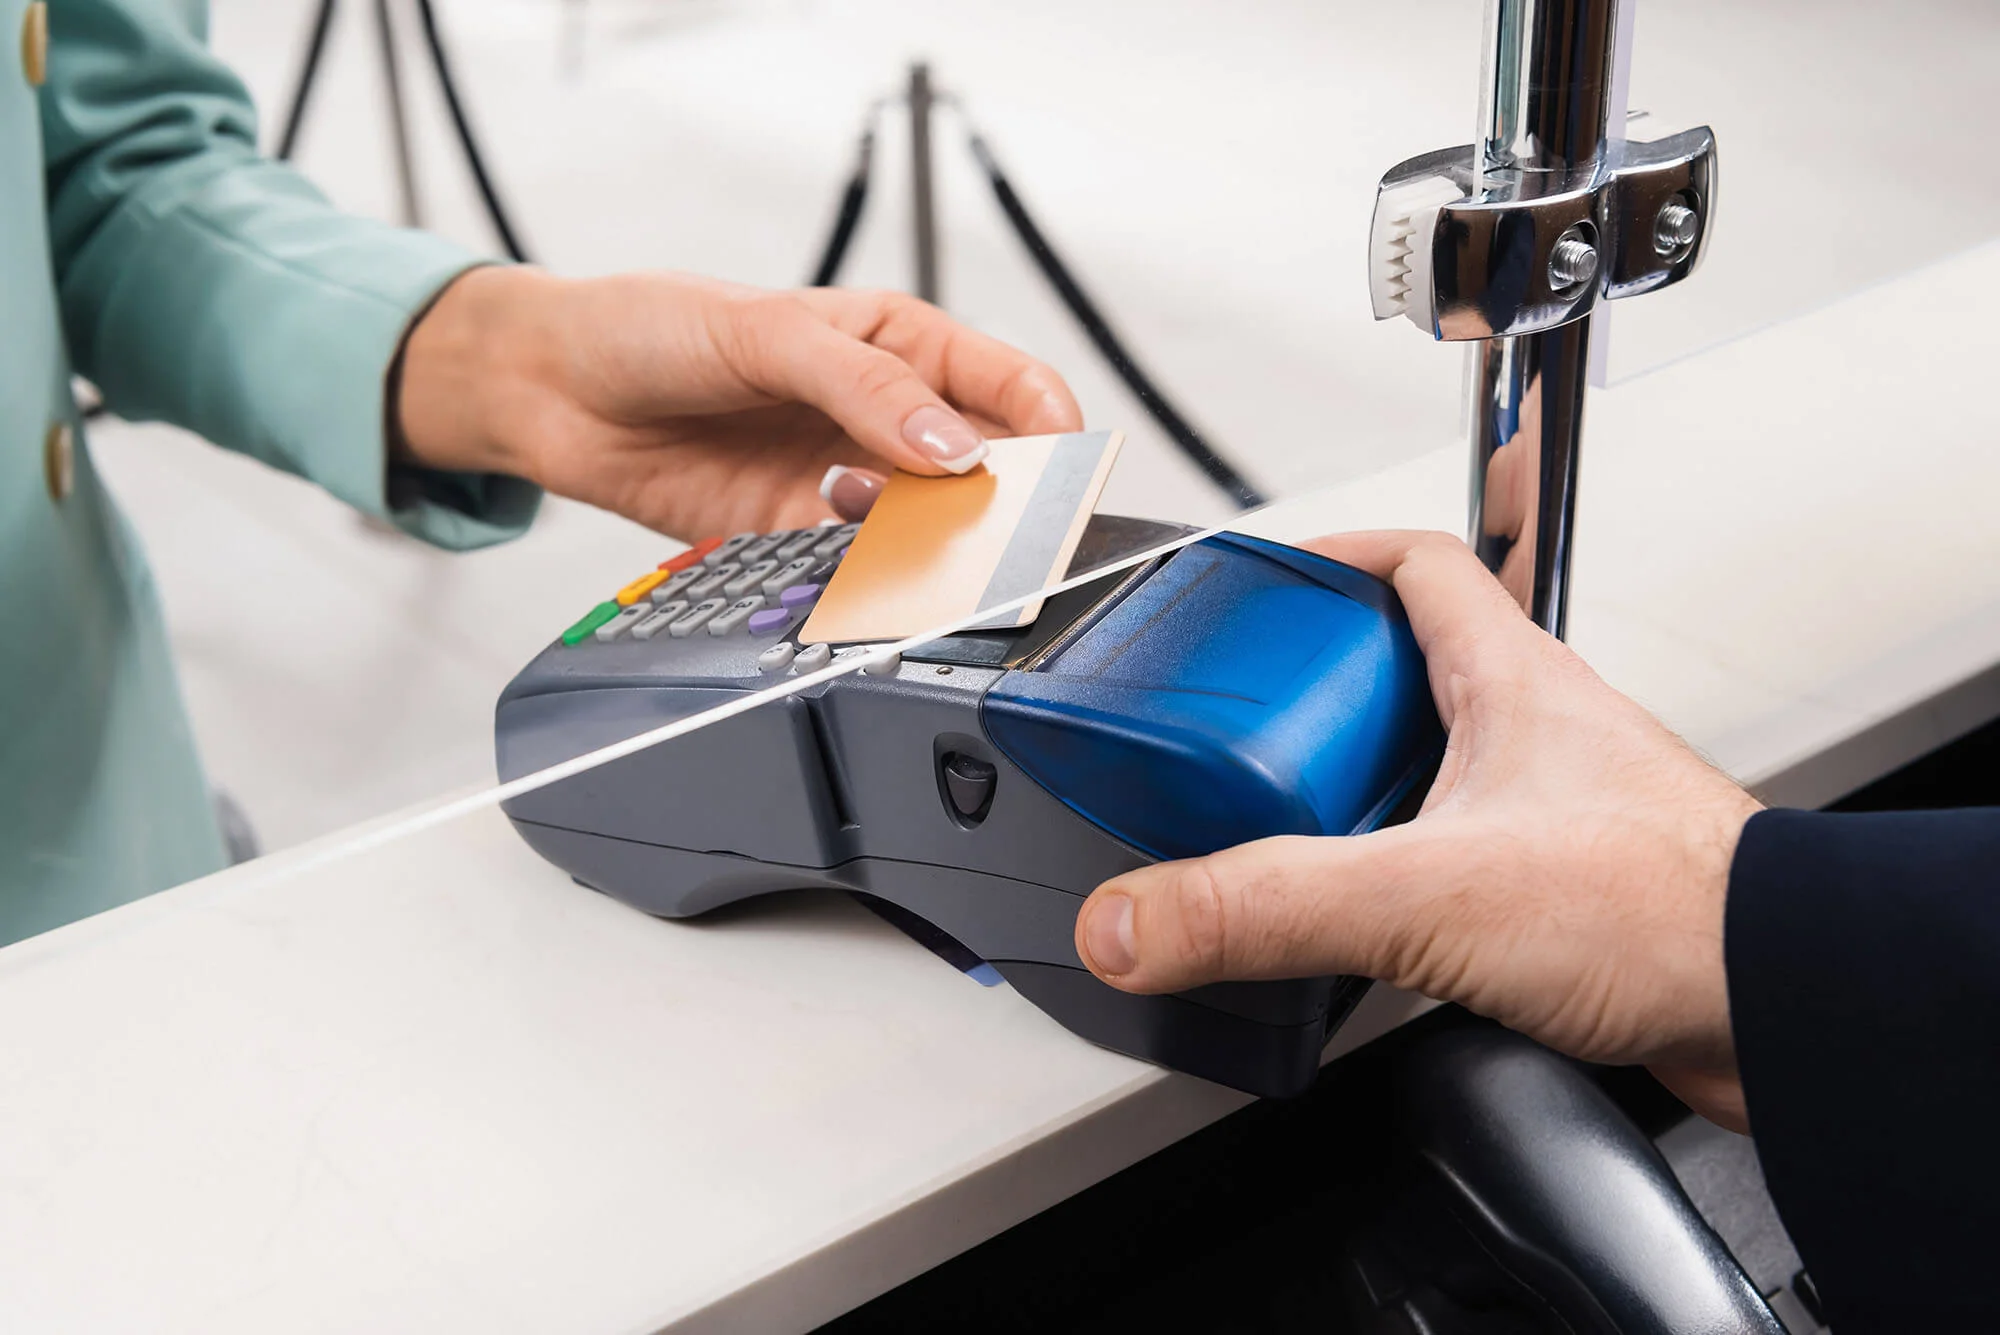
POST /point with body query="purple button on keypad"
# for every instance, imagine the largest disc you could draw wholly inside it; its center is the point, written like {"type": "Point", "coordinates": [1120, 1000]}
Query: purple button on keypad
{"type": "Point", "coordinates": [768, 620]}
{"type": "Point", "coordinates": [798, 595]}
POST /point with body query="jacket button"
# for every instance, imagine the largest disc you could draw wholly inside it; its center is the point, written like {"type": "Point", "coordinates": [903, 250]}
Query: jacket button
{"type": "Point", "coordinates": [35, 43]}
{"type": "Point", "coordinates": [59, 460]}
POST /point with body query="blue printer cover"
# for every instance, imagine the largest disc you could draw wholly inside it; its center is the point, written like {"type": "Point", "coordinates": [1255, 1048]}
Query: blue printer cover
{"type": "Point", "coordinates": [1246, 689]}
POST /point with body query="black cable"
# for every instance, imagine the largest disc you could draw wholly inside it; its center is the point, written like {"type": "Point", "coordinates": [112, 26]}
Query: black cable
{"type": "Point", "coordinates": [474, 159]}
{"type": "Point", "coordinates": [1219, 470]}
{"type": "Point", "coordinates": [923, 188]}
{"type": "Point", "coordinates": [308, 73]}
{"type": "Point", "coordinates": [399, 116]}
{"type": "Point", "coordinates": [852, 201]}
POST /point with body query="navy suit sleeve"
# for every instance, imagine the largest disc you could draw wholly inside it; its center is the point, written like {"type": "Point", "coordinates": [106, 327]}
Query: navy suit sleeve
{"type": "Point", "coordinates": [1864, 986]}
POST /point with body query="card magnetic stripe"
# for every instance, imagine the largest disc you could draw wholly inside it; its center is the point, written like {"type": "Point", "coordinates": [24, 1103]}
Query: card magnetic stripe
{"type": "Point", "coordinates": [1029, 560]}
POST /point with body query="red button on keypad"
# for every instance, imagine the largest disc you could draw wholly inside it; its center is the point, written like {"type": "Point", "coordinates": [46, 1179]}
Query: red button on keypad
{"type": "Point", "coordinates": [692, 556]}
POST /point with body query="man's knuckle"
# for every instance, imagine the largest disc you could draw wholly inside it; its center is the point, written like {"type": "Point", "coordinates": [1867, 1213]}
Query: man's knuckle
{"type": "Point", "coordinates": [1440, 547]}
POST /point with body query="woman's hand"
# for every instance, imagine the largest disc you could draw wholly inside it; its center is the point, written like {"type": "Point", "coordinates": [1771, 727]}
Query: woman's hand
{"type": "Point", "coordinates": [701, 408]}
{"type": "Point", "coordinates": [1566, 875]}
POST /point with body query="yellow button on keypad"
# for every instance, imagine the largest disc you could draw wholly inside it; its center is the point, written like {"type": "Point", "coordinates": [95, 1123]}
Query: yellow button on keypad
{"type": "Point", "coordinates": [642, 586]}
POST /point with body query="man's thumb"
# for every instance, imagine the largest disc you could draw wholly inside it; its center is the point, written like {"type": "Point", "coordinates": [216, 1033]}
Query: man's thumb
{"type": "Point", "coordinates": [1289, 907]}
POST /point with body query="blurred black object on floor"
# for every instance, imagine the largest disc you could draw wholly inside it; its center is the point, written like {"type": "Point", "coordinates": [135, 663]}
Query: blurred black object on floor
{"type": "Point", "coordinates": [1230, 1230]}
{"type": "Point", "coordinates": [1364, 1207]}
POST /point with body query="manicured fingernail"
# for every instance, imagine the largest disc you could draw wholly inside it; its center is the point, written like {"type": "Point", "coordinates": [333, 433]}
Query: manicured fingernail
{"type": "Point", "coordinates": [944, 438]}
{"type": "Point", "coordinates": [850, 491]}
{"type": "Point", "coordinates": [1108, 933]}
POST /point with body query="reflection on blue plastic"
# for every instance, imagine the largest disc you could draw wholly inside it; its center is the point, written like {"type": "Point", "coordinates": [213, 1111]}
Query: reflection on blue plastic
{"type": "Point", "coordinates": [985, 975]}
{"type": "Point", "coordinates": [1244, 690]}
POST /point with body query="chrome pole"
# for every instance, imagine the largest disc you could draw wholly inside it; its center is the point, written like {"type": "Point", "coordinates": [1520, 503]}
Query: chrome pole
{"type": "Point", "coordinates": [1547, 92]}
{"type": "Point", "coordinates": [923, 212]}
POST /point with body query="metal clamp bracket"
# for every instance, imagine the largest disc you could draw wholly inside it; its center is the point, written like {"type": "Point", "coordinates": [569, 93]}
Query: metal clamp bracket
{"type": "Point", "coordinates": [1474, 254]}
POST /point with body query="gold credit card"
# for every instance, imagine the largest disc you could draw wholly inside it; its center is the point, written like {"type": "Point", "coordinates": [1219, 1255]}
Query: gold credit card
{"type": "Point", "coordinates": [935, 550]}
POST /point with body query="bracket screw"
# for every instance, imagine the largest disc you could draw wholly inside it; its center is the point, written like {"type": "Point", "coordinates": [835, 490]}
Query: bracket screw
{"type": "Point", "coordinates": [1675, 230]}
{"type": "Point", "coordinates": [1572, 263]}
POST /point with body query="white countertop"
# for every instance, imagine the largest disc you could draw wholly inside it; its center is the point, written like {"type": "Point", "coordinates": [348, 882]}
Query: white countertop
{"type": "Point", "coordinates": [435, 1086]}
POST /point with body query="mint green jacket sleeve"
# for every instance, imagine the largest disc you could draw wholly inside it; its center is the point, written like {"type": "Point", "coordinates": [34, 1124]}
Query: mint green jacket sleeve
{"type": "Point", "coordinates": [210, 287]}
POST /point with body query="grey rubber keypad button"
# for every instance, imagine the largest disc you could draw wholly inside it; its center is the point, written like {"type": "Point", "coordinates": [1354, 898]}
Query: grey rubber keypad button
{"type": "Point", "coordinates": [623, 622]}
{"type": "Point", "coordinates": [812, 658]}
{"type": "Point", "coordinates": [663, 616]}
{"type": "Point", "coordinates": [834, 541]}
{"type": "Point", "coordinates": [711, 584]}
{"type": "Point", "coordinates": [761, 549]}
{"type": "Point", "coordinates": [727, 551]}
{"type": "Point", "coordinates": [801, 542]}
{"type": "Point", "coordinates": [882, 667]}
{"type": "Point", "coordinates": [751, 578]}
{"type": "Point", "coordinates": [677, 584]}
{"type": "Point", "coordinates": [697, 617]}
{"type": "Point", "coordinates": [735, 615]}
{"type": "Point", "coordinates": [790, 575]}
{"type": "Point", "coordinates": [778, 657]}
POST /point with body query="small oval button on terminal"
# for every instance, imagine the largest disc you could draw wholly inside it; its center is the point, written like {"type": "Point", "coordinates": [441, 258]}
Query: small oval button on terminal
{"type": "Point", "coordinates": [968, 784]}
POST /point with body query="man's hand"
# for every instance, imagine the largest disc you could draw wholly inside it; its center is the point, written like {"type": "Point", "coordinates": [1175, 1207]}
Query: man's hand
{"type": "Point", "coordinates": [1566, 875]}
{"type": "Point", "coordinates": [701, 408]}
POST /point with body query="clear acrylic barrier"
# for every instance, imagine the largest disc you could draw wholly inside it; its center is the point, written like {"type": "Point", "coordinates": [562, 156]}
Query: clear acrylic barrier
{"type": "Point", "coordinates": [1845, 137]}
{"type": "Point", "coordinates": [1215, 208]}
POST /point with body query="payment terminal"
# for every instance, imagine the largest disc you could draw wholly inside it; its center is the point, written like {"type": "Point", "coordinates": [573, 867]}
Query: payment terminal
{"type": "Point", "coordinates": [984, 783]}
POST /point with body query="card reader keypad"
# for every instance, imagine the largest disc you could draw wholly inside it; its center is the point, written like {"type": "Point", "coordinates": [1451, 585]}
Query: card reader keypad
{"type": "Point", "coordinates": [663, 616]}
{"type": "Point", "coordinates": [726, 551]}
{"type": "Point", "coordinates": [696, 617]}
{"type": "Point", "coordinates": [761, 549]}
{"type": "Point", "coordinates": [735, 615]}
{"type": "Point", "coordinates": [758, 587]}
{"type": "Point", "coordinates": [715, 581]}
{"type": "Point", "coordinates": [751, 578]}
{"type": "Point", "coordinates": [677, 584]}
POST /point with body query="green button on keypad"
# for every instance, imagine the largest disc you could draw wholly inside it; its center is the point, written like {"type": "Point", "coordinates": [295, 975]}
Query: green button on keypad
{"type": "Point", "coordinates": [592, 619]}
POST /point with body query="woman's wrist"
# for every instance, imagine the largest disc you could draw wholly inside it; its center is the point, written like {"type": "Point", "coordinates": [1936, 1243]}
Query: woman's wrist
{"type": "Point", "coordinates": [472, 371]}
